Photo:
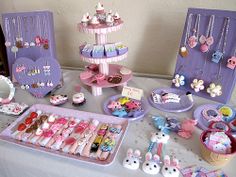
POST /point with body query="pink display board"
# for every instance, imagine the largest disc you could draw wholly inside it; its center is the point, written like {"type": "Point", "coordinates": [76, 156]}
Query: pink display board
{"type": "Point", "coordinates": [199, 65]}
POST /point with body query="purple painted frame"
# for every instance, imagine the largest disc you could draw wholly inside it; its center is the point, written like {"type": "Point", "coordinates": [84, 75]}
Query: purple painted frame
{"type": "Point", "coordinates": [32, 52]}
{"type": "Point", "coordinates": [192, 64]}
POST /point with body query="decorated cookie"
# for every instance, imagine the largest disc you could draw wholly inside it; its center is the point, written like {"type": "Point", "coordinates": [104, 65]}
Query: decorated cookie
{"type": "Point", "coordinates": [125, 71]}
{"type": "Point", "coordinates": [227, 112]}
{"type": "Point", "coordinates": [120, 112]}
{"type": "Point", "coordinates": [114, 105]}
{"type": "Point", "coordinates": [114, 79]}
{"type": "Point", "coordinates": [222, 126]}
{"type": "Point", "coordinates": [211, 114]}
{"type": "Point", "coordinates": [86, 75]}
{"type": "Point", "coordinates": [58, 99]}
{"type": "Point", "coordinates": [78, 99]}
{"type": "Point", "coordinates": [124, 100]}
{"type": "Point", "coordinates": [13, 108]}
{"type": "Point", "coordinates": [98, 78]}
{"type": "Point", "coordinates": [133, 105]}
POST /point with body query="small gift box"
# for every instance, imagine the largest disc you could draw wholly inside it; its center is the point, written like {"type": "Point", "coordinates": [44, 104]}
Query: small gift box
{"type": "Point", "coordinates": [98, 51]}
{"type": "Point", "coordinates": [121, 49]}
{"type": "Point", "coordinates": [87, 50]}
{"type": "Point", "coordinates": [110, 50]}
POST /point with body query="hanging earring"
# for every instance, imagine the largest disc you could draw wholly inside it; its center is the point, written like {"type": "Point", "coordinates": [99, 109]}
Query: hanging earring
{"type": "Point", "coordinates": [193, 40]}
{"type": "Point", "coordinates": [208, 40]}
{"type": "Point", "coordinates": [45, 34]}
{"type": "Point", "coordinates": [51, 84]}
{"type": "Point", "coordinates": [8, 33]}
{"type": "Point", "coordinates": [218, 54]}
{"type": "Point", "coordinates": [32, 43]}
{"type": "Point", "coordinates": [42, 84]}
{"type": "Point", "coordinates": [48, 84]}
{"type": "Point", "coordinates": [183, 51]}
{"type": "Point", "coordinates": [14, 48]}
{"type": "Point", "coordinates": [26, 43]}
{"type": "Point", "coordinates": [19, 39]}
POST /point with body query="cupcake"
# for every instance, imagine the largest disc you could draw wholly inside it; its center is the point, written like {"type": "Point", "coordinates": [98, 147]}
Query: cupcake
{"type": "Point", "coordinates": [88, 16]}
{"type": "Point", "coordinates": [84, 20]}
{"type": "Point", "coordinates": [78, 99]}
{"type": "Point", "coordinates": [100, 9]}
{"type": "Point", "coordinates": [94, 21]}
{"type": "Point", "coordinates": [109, 20]}
{"type": "Point", "coordinates": [116, 17]}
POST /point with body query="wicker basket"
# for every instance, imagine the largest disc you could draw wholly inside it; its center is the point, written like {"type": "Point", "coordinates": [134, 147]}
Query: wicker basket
{"type": "Point", "coordinates": [214, 158]}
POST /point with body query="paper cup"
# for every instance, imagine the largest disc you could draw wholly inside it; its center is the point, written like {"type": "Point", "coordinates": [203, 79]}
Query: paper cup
{"type": "Point", "coordinates": [215, 158]}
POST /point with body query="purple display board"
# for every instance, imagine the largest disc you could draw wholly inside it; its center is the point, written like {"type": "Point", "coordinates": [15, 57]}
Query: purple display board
{"type": "Point", "coordinates": [29, 26]}
{"type": "Point", "coordinates": [199, 65]}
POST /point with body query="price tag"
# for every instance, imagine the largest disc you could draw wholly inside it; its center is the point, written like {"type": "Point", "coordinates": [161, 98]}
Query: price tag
{"type": "Point", "coordinates": [132, 92]}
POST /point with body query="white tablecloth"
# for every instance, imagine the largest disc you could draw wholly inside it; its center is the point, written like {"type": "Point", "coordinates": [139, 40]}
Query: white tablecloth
{"type": "Point", "coordinates": [21, 162]}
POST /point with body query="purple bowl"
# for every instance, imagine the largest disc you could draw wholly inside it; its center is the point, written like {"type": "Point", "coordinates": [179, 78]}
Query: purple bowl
{"type": "Point", "coordinates": [184, 105]}
{"type": "Point", "coordinates": [144, 103]}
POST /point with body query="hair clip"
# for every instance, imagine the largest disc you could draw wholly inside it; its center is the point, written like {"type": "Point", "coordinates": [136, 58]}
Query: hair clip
{"type": "Point", "coordinates": [187, 128]}
{"type": "Point", "coordinates": [108, 143]}
{"type": "Point", "coordinates": [98, 140]}
{"type": "Point", "coordinates": [132, 159]}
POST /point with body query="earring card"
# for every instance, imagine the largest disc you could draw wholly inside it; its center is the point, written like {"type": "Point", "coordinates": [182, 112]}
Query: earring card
{"type": "Point", "coordinates": [199, 65]}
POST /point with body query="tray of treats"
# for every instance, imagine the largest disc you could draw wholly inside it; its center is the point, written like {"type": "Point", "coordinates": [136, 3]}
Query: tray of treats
{"type": "Point", "coordinates": [83, 136]}
{"type": "Point", "coordinates": [126, 108]}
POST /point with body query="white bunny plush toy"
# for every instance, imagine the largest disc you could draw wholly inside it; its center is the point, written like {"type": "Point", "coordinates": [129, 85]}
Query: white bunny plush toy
{"type": "Point", "coordinates": [162, 137]}
{"type": "Point", "coordinates": [132, 159]}
{"type": "Point", "coordinates": [152, 164]}
{"type": "Point", "coordinates": [170, 168]}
